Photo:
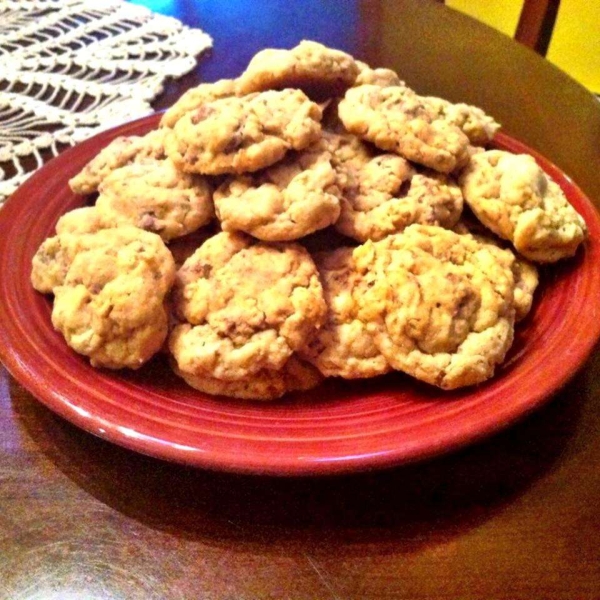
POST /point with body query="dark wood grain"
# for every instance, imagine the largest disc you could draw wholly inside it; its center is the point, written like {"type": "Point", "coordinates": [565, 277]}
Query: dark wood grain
{"type": "Point", "coordinates": [513, 518]}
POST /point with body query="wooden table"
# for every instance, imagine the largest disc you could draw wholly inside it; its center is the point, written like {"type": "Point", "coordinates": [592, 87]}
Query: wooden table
{"type": "Point", "coordinates": [514, 517]}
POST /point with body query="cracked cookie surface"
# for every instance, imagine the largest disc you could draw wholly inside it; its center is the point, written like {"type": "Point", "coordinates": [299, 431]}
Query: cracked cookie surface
{"type": "Point", "coordinates": [525, 273]}
{"type": "Point", "coordinates": [383, 194]}
{"type": "Point", "coordinates": [196, 97]}
{"type": "Point", "coordinates": [343, 347]}
{"type": "Point", "coordinates": [396, 119]}
{"type": "Point", "coordinates": [511, 195]}
{"type": "Point", "coordinates": [244, 307]}
{"type": "Point", "coordinates": [120, 152]}
{"type": "Point", "coordinates": [287, 201]}
{"type": "Point", "coordinates": [97, 307]}
{"type": "Point", "coordinates": [378, 76]}
{"type": "Point", "coordinates": [320, 72]}
{"type": "Point", "coordinates": [157, 197]}
{"type": "Point", "coordinates": [440, 305]}
{"type": "Point", "coordinates": [238, 135]}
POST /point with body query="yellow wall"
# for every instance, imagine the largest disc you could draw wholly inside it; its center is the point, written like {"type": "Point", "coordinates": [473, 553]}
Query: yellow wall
{"type": "Point", "coordinates": [575, 45]}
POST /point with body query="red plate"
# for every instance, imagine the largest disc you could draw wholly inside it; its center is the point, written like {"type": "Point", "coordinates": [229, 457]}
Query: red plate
{"type": "Point", "coordinates": [340, 426]}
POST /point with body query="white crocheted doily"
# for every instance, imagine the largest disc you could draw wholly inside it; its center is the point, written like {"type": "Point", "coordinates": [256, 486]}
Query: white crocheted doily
{"type": "Point", "coordinates": [70, 68]}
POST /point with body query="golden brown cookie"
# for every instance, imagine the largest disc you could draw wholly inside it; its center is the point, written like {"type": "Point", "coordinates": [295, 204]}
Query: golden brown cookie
{"type": "Point", "coordinates": [81, 220]}
{"type": "Point", "coordinates": [287, 201]}
{"type": "Point", "coordinates": [295, 376]}
{"type": "Point", "coordinates": [396, 119]}
{"type": "Point", "coordinates": [111, 305]}
{"type": "Point", "coordinates": [244, 307]}
{"type": "Point", "coordinates": [120, 152]}
{"type": "Point", "coordinates": [53, 259]}
{"type": "Point", "coordinates": [381, 77]}
{"type": "Point", "coordinates": [471, 120]}
{"type": "Point", "coordinates": [440, 305]}
{"type": "Point", "coordinates": [511, 195]}
{"type": "Point", "coordinates": [383, 194]}
{"type": "Point", "coordinates": [196, 97]}
{"type": "Point", "coordinates": [155, 196]}
{"type": "Point", "coordinates": [318, 71]}
{"type": "Point", "coordinates": [239, 135]}
{"type": "Point", "coordinates": [343, 347]}
{"type": "Point", "coordinates": [525, 273]}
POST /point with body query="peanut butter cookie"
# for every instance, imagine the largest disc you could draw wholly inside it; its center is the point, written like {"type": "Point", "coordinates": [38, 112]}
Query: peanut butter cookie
{"type": "Point", "coordinates": [295, 376]}
{"type": "Point", "coordinates": [81, 220]}
{"type": "Point", "coordinates": [197, 97]}
{"type": "Point", "coordinates": [471, 120]}
{"type": "Point", "coordinates": [120, 152]}
{"type": "Point", "coordinates": [381, 77]}
{"type": "Point", "coordinates": [384, 194]}
{"type": "Point", "coordinates": [98, 309]}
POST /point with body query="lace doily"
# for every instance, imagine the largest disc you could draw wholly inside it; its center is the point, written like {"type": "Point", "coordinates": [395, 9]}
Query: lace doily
{"type": "Point", "coordinates": [70, 68]}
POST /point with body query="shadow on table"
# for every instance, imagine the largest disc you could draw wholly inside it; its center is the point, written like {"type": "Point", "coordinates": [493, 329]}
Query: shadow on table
{"type": "Point", "coordinates": [401, 509]}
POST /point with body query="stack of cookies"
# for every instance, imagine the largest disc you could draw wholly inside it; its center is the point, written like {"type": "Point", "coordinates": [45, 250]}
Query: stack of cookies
{"type": "Point", "coordinates": [197, 241]}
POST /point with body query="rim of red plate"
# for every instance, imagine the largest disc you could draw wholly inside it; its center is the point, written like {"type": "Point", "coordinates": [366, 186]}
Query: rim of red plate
{"type": "Point", "coordinates": [338, 428]}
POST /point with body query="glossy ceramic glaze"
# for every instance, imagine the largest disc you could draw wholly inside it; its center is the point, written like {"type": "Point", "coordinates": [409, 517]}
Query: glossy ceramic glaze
{"type": "Point", "coordinates": [338, 427]}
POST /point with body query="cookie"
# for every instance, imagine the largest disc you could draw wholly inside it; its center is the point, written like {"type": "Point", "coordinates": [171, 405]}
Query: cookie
{"type": "Point", "coordinates": [439, 304]}
{"type": "Point", "coordinates": [53, 258]}
{"type": "Point", "coordinates": [511, 195]}
{"type": "Point", "coordinates": [396, 119]}
{"type": "Point", "coordinates": [381, 77]}
{"type": "Point", "coordinates": [295, 376]}
{"type": "Point", "coordinates": [155, 196]}
{"type": "Point", "coordinates": [527, 280]}
{"type": "Point", "coordinates": [239, 135]}
{"type": "Point", "coordinates": [318, 71]}
{"type": "Point", "coordinates": [51, 261]}
{"type": "Point", "coordinates": [196, 97]}
{"type": "Point", "coordinates": [244, 307]}
{"type": "Point", "coordinates": [98, 309]}
{"type": "Point", "coordinates": [384, 194]}
{"type": "Point", "coordinates": [287, 201]}
{"type": "Point", "coordinates": [81, 220]}
{"type": "Point", "coordinates": [343, 347]}
{"type": "Point", "coordinates": [525, 273]}
{"type": "Point", "coordinates": [120, 152]}
{"type": "Point", "coordinates": [471, 120]}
